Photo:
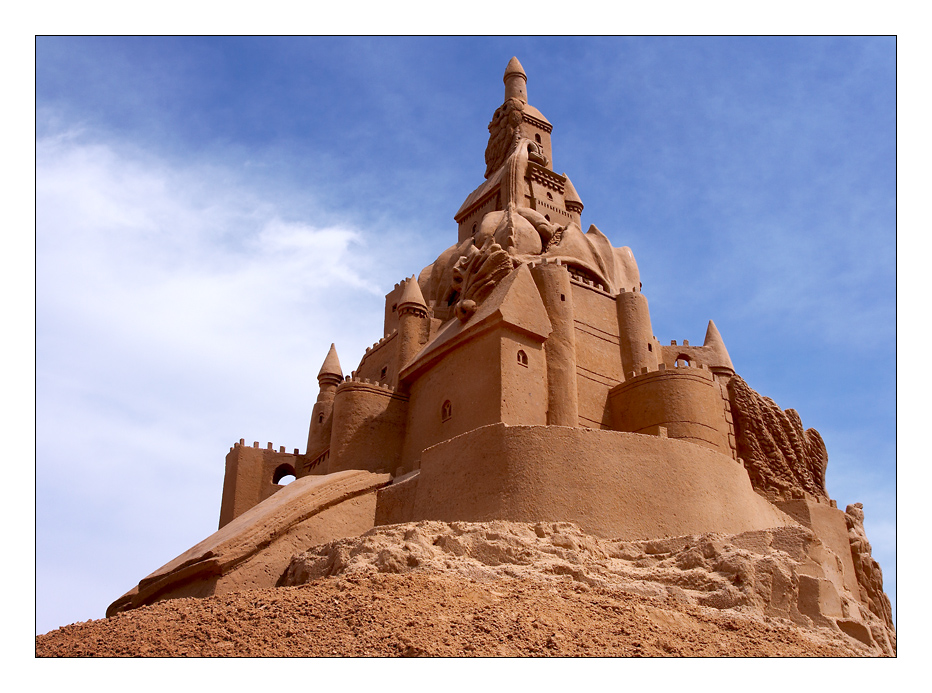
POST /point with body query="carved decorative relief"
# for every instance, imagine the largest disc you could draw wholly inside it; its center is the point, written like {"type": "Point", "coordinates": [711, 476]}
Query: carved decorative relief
{"type": "Point", "coordinates": [503, 134]}
{"type": "Point", "coordinates": [783, 460]}
{"type": "Point", "coordinates": [476, 273]}
{"type": "Point", "coordinates": [870, 577]}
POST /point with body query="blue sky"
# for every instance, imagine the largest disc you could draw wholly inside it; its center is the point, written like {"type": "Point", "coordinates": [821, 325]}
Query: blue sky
{"type": "Point", "coordinates": [212, 213]}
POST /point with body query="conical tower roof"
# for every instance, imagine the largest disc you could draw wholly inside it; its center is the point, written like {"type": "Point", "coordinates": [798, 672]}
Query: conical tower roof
{"type": "Point", "coordinates": [331, 365]}
{"type": "Point", "coordinates": [570, 196]}
{"type": "Point", "coordinates": [515, 82]}
{"type": "Point", "coordinates": [412, 294]}
{"type": "Point", "coordinates": [514, 67]}
{"type": "Point", "coordinates": [714, 339]}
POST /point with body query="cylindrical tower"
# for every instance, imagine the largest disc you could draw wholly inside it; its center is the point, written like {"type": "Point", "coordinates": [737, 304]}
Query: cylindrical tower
{"type": "Point", "coordinates": [553, 283]}
{"type": "Point", "coordinates": [413, 322]}
{"type": "Point", "coordinates": [368, 428]}
{"type": "Point", "coordinates": [688, 402]}
{"type": "Point", "coordinates": [515, 81]}
{"type": "Point", "coordinates": [635, 335]}
{"type": "Point", "coordinates": [318, 436]}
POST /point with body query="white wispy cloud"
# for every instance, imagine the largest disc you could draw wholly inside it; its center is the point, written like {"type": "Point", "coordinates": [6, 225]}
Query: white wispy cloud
{"type": "Point", "coordinates": [176, 310]}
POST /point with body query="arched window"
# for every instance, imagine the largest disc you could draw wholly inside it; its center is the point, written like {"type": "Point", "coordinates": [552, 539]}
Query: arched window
{"type": "Point", "coordinates": [522, 358]}
{"type": "Point", "coordinates": [284, 474]}
{"type": "Point", "coordinates": [682, 361]}
{"type": "Point", "coordinates": [446, 411]}
{"type": "Point", "coordinates": [320, 418]}
{"type": "Point", "coordinates": [537, 138]}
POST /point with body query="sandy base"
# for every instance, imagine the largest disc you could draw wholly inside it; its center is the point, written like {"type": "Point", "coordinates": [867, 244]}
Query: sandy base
{"type": "Point", "coordinates": [445, 615]}
{"type": "Point", "coordinates": [483, 589]}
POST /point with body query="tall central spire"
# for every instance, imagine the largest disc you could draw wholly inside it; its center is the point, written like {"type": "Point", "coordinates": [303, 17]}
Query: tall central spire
{"type": "Point", "coordinates": [515, 81]}
{"type": "Point", "coordinates": [518, 163]}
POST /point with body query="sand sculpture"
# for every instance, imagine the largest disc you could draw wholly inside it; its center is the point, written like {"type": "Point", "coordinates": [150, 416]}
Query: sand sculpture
{"type": "Point", "coordinates": [518, 378]}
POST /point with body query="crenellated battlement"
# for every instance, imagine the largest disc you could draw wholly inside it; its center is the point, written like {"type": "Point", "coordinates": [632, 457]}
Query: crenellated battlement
{"type": "Point", "coordinates": [269, 447]}
{"type": "Point", "coordinates": [576, 276]}
{"type": "Point", "coordinates": [590, 284]}
{"type": "Point", "coordinates": [547, 261]}
{"type": "Point", "coordinates": [351, 381]}
{"type": "Point", "coordinates": [382, 342]}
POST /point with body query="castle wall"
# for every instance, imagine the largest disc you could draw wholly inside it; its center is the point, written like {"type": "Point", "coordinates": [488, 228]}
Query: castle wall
{"type": "Point", "coordinates": [598, 366]}
{"type": "Point", "coordinates": [524, 380]}
{"type": "Point", "coordinates": [250, 477]}
{"type": "Point", "coordinates": [368, 428]}
{"type": "Point", "coordinates": [484, 382]}
{"type": "Point", "coordinates": [467, 377]}
{"type": "Point", "coordinates": [612, 484]}
{"type": "Point", "coordinates": [380, 362]}
{"type": "Point", "coordinates": [689, 403]}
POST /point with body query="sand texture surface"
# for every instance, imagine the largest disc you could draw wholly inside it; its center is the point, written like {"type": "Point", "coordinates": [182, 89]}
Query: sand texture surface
{"type": "Point", "coordinates": [489, 590]}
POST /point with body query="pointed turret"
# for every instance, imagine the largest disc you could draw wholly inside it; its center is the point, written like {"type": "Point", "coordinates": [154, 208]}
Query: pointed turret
{"type": "Point", "coordinates": [412, 296]}
{"type": "Point", "coordinates": [571, 200]}
{"type": "Point", "coordinates": [318, 435]}
{"type": "Point", "coordinates": [515, 81]}
{"type": "Point", "coordinates": [331, 368]}
{"type": "Point", "coordinates": [714, 341]}
{"type": "Point", "coordinates": [413, 322]}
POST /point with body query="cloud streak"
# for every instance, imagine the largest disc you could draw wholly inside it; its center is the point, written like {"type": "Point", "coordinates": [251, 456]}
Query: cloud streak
{"type": "Point", "coordinates": [167, 299]}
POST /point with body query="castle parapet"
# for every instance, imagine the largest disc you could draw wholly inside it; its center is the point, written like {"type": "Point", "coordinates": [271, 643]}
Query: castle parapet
{"type": "Point", "coordinates": [368, 427]}
{"type": "Point", "coordinates": [689, 403]}
{"type": "Point", "coordinates": [252, 475]}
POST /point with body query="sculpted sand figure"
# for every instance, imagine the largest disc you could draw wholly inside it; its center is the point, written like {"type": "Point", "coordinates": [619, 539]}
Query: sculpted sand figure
{"type": "Point", "coordinates": [518, 379]}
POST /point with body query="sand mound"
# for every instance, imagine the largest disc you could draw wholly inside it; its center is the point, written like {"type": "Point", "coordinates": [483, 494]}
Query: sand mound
{"type": "Point", "coordinates": [498, 589]}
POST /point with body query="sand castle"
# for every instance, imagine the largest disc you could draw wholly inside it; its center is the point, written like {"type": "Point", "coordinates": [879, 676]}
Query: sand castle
{"type": "Point", "coordinates": [518, 378]}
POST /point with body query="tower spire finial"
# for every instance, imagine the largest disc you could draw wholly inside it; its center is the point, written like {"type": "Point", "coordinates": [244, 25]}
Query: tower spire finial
{"type": "Point", "coordinates": [515, 81]}
{"type": "Point", "coordinates": [331, 367]}
{"type": "Point", "coordinates": [412, 294]}
{"type": "Point", "coordinates": [714, 339]}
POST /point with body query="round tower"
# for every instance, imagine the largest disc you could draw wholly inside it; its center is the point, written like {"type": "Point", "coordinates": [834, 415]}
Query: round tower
{"type": "Point", "coordinates": [515, 81]}
{"type": "Point", "coordinates": [318, 436]}
{"type": "Point", "coordinates": [413, 322]}
{"type": "Point", "coordinates": [635, 334]}
{"type": "Point", "coordinates": [553, 283]}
